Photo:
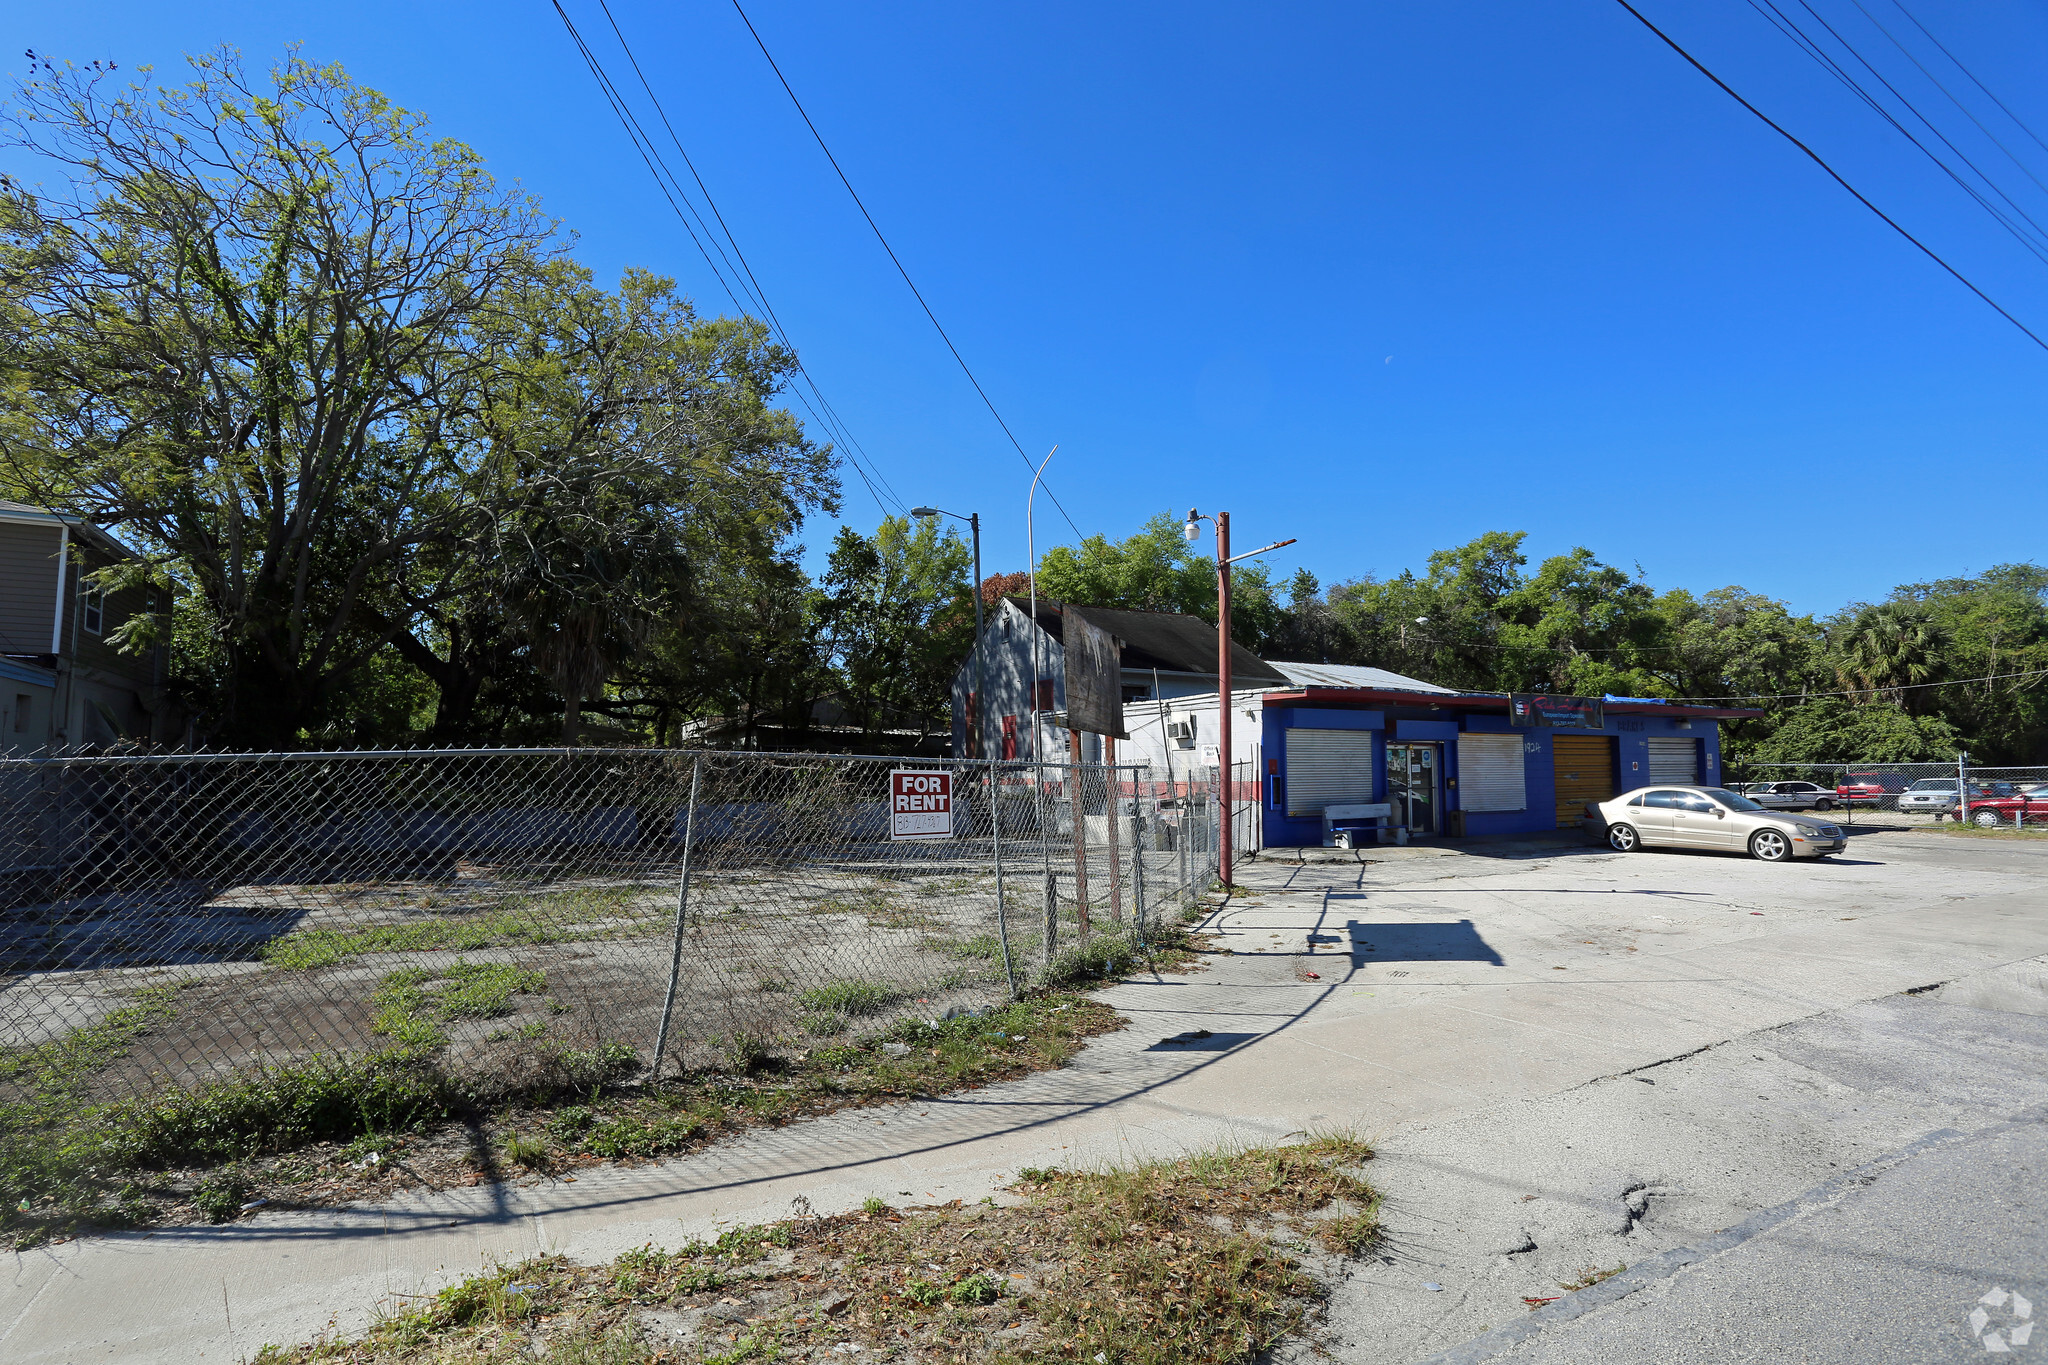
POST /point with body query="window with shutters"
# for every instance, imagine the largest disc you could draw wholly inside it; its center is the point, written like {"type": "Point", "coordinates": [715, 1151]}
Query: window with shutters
{"type": "Point", "coordinates": [1490, 772]}
{"type": "Point", "coordinates": [1674, 760]}
{"type": "Point", "coordinates": [1327, 767]}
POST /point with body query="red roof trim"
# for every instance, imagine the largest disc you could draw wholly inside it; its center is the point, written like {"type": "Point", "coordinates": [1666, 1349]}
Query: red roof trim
{"type": "Point", "coordinates": [1476, 701]}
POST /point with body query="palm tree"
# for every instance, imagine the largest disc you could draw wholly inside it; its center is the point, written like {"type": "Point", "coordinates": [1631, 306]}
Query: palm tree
{"type": "Point", "coordinates": [1888, 649]}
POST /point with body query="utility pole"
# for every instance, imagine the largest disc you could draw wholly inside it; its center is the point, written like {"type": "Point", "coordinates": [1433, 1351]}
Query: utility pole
{"type": "Point", "coordinates": [1224, 559]}
{"type": "Point", "coordinates": [1223, 692]}
{"type": "Point", "coordinates": [977, 724]}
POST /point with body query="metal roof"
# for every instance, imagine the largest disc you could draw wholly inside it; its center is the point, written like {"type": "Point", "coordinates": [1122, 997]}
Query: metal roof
{"type": "Point", "coordinates": [1352, 675]}
{"type": "Point", "coordinates": [1159, 639]}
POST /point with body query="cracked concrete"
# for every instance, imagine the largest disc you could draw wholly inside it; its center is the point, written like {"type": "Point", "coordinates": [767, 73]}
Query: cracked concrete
{"type": "Point", "coordinates": [1415, 1002]}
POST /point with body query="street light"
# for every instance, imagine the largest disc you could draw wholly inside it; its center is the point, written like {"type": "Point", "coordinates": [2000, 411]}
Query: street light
{"type": "Point", "coordinates": [973, 520]}
{"type": "Point", "coordinates": [1031, 548]}
{"type": "Point", "coordinates": [1224, 559]}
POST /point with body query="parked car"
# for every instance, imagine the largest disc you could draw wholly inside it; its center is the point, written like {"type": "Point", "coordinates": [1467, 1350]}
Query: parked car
{"type": "Point", "coordinates": [1870, 789]}
{"type": "Point", "coordinates": [1788, 795]}
{"type": "Point", "coordinates": [1929, 796]}
{"type": "Point", "coordinates": [1707, 817]}
{"type": "Point", "coordinates": [1989, 809]}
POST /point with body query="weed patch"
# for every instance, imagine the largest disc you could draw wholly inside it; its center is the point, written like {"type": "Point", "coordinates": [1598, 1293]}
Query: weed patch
{"type": "Point", "coordinates": [1188, 1262]}
{"type": "Point", "coordinates": [330, 1128]}
{"type": "Point", "coordinates": [850, 997]}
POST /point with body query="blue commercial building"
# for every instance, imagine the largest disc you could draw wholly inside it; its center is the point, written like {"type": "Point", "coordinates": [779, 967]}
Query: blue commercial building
{"type": "Point", "coordinates": [1451, 763]}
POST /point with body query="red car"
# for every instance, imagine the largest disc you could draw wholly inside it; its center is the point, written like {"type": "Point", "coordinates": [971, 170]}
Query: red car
{"type": "Point", "coordinates": [1871, 789]}
{"type": "Point", "coordinates": [2015, 808]}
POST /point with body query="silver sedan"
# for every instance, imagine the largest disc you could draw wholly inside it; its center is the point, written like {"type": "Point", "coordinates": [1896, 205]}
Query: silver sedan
{"type": "Point", "coordinates": [1708, 817]}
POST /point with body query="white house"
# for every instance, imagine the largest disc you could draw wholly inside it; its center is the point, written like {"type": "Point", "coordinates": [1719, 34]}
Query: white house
{"type": "Point", "coordinates": [1165, 655]}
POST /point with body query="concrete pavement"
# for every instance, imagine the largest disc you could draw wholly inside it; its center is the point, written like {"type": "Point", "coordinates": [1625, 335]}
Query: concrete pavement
{"type": "Point", "coordinates": [1442, 989]}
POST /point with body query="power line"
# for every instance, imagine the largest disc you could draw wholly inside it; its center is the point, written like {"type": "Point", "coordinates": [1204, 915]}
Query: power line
{"type": "Point", "coordinates": [1931, 79]}
{"type": "Point", "coordinates": [1790, 28]}
{"type": "Point", "coordinates": [1973, 79]}
{"type": "Point", "coordinates": [744, 264]}
{"type": "Point", "coordinates": [894, 259]}
{"type": "Point", "coordinates": [672, 190]}
{"type": "Point", "coordinates": [1865, 691]}
{"type": "Point", "coordinates": [1815, 157]}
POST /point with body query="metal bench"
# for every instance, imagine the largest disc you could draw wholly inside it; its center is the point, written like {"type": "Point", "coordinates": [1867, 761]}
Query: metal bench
{"type": "Point", "coordinates": [1341, 824]}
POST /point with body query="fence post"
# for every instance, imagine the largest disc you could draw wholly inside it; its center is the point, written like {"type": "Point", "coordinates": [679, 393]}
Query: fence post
{"type": "Point", "coordinates": [1052, 916]}
{"type": "Point", "coordinates": [675, 959]}
{"type": "Point", "coordinates": [995, 841]}
{"type": "Point", "coordinates": [1963, 788]}
{"type": "Point", "coordinates": [1137, 860]}
{"type": "Point", "coordinates": [1112, 799]}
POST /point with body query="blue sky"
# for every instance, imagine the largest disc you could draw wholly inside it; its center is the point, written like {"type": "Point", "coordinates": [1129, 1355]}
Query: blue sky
{"type": "Point", "coordinates": [1379, 277]}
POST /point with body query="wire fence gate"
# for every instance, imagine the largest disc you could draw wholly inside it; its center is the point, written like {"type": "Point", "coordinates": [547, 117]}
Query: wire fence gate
{"type": "Point", "coordinates": [514, 913]}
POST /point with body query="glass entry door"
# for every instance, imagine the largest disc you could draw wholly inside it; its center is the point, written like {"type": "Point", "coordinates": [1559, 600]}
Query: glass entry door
{"type": "Point", "coordinates": [1412, 786]}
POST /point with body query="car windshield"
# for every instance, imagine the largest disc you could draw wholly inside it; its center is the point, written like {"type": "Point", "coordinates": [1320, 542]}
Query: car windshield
{"type": "Point", "coordinates": [1935, 784]}
{"type": "Point", "coordinates": [1732, 800]}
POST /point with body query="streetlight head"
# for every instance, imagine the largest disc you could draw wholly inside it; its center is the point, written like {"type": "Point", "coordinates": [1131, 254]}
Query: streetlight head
{"type": "Point", "coordinates": [924, 511]}
{"type": "Point", "coordinates": [1422, 620]}
{"type": "Point", "coordinates": [1192, 530]}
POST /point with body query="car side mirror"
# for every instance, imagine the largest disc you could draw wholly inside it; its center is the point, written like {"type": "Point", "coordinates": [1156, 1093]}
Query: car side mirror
{"type": "Point", "coordinates": [1720, 814]}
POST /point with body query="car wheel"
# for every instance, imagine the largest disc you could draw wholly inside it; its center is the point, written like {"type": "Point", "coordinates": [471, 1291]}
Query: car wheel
{"type": "Point", "coordinates": [1769, 846]}
{"type": "Point", "coordinates": [1986, 819]}
{"type": "Point", "coordinates": [1825, 803]}
{"type": "Point", "coordinates": [1623, 838]}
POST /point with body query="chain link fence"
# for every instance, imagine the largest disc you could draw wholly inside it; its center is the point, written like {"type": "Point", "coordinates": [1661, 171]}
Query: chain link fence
{"type": "Point", "coordinates": [535, 916]}
{"type": "Point", "coordinates": [1899, 795]}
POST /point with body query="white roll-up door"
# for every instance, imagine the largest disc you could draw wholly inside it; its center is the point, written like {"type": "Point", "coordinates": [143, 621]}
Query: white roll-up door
{"type": "Point", "coordinates": [1327, 767]}
{"type": "Point", "coordinates": [1490, 773]}
{"type": "Point", "coordinates": [1674, 760]}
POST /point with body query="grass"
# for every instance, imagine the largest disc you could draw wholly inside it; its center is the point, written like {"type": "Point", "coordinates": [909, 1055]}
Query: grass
{"type": "Point", "coordinates": [558, 918]}
{"type": "Point", "coordinates": [412, 1003]}
{"type": "Point", "coordinates": [850, 997]}
{"type": "Point", "coordinates": [68, 1162]}
{"type": "Point", "coordinates": [1589, 1277]}
{"type": "Point", "coordinates": [1974, 832]}
{"type": "Point", "coordinates": [1204, 1260]}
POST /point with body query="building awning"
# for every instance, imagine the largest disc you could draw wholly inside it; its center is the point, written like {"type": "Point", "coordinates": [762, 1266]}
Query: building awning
{"type": "Point", "coordinates": [27, 673]}
{"type": "Point", "coordinates": [1482, 701]}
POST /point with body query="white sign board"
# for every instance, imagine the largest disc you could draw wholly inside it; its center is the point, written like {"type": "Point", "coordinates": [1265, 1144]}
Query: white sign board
{"type": "Point", "coordinates": [920, 804]}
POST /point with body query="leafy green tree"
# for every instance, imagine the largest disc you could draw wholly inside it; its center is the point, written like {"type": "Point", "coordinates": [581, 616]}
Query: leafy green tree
{"type": "Point", "coordinates": [1889, 651]}
{"type": "Point", "coordinates": [1834, 730]}
{"type": "Point", "coordinates": [242, 330]}
{"type": "Point", "coordinates": [1157, 569]}
{"type": "Point", "coordinates": [884, 606]}
{"type": "Point", "coordinates": [1994, 624]}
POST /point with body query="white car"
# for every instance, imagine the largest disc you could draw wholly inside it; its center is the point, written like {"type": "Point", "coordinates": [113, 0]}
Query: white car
{"type": "Point", "coordinates": [1790, 795]}
{"type": "Point", "coordinates": [1929, 796]}
{"type": "Point", "coordinates": [1711, 818]}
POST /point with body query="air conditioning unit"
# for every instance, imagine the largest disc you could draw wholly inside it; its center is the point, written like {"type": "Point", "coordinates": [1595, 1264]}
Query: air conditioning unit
{"type": "Point", "coordinates": [1180, 729]}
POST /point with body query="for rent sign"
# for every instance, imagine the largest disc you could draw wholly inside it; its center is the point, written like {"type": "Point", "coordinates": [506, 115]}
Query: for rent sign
{"type": "Point", "coordinates": [920, 804]}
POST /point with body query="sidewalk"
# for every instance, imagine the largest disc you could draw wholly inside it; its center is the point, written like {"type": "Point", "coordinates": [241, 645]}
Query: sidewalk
{"type": "Point", "coordinates": [1365, 996]}
{"type": "Point", "coordinates": [1561, 844]}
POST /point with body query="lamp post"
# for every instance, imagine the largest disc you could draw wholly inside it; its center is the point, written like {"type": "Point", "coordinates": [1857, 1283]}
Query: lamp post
{"type": "Point", "coordinates": [980, 707]}
{"type": "Point", "coordinates": [1031, 549]}
{"type": "Point", "coordinates": [1224, 559]}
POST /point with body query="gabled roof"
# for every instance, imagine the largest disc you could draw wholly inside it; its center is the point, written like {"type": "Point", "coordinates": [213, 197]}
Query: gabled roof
{"type": "Point", "coordinates": [1164, 640]}
{"type": "Point", "coordinates": [1353, 675]}
{"type": "Point", "coordinates": [23, 512]}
